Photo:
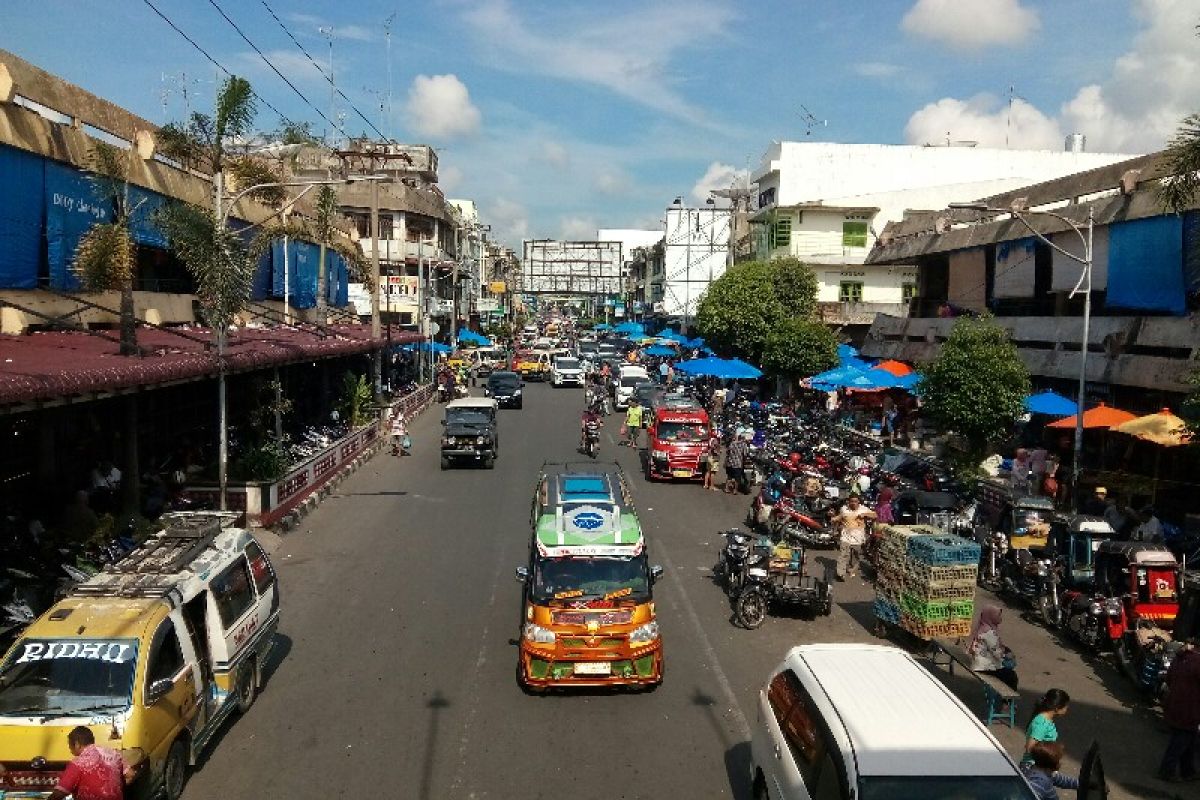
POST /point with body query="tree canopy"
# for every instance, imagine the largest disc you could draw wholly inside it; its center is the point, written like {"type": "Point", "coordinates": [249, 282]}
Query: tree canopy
{"type": "Point", "coordinates": [741, 309]}
{"type": "Point", "coordinates": [799, 347]}
{"type": "Point", "coordinates": [977, 385]}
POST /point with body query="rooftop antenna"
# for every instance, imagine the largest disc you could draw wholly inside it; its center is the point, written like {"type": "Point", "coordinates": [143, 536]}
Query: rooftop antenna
{"type": "Point", "coordinates": [382, 98]}
{"type": "Point", "coordinates": [387, 36]}
{"type": "Point", "coordinates": [327, 32]}
{"type": "Point", "coordinates": [811, 121]}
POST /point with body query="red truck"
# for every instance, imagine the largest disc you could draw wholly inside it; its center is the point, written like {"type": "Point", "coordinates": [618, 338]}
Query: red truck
{"type": "Point", "coordinates": [678, 443]}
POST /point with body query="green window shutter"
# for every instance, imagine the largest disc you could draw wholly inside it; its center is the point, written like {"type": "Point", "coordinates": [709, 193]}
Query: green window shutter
{"type": "Point", "coordinates": [854, 233]}
{"type": "Point", "coordinates": [781, 232]}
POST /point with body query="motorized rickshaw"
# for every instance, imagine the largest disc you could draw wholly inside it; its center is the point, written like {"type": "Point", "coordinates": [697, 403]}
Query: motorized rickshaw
{"type": "Point", "coordinates": [1144, 580]}
{"type": "Point", "coordinates": [1074, 540]}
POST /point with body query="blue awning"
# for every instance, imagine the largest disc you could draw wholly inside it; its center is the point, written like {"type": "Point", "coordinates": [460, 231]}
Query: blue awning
{"type": "Point", "coordinates": [1051, 404]}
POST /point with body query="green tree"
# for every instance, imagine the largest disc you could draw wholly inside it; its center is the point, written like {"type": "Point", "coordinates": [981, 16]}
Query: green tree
{"type": "Point", "coordinates": [106, 257]}
{"type": "Point", "coordinates": [977, 385]}
{"type": "Point", "coordinates": [799, 347]}
{"type": "Point", "coordinates": [740, 309]}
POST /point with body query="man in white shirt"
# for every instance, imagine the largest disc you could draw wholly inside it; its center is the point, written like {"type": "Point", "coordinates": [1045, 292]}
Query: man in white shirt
{"type": "Point", "coordinates": [852, 521]}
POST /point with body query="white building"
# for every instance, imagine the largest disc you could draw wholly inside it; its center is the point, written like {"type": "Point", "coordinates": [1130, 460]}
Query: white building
{"type": "Point", "coordinates": [631, 239]}
{"type": "Point", "coordinates": [824, 203]}
{"type": "Point", "coordinates": [696, 253]}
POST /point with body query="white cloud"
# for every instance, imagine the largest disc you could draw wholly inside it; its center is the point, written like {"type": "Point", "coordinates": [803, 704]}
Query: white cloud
{"type": "Point", "coordinates": [509, 220]}
{"type": "Point", "coordinates": [581, 48]}
{"type": "Point", "coordinates": [555, 154]}
{"type": "Point", "coordinates": [1136, 108]}
{"type": "Point", "coordinates": [876, 69]}
{"type": "Point", "coordinates": [971, 24]}
{"type": "Point", "coordinates": [613, 182]}
{"type": "Point", "coordinates": [440, 106]}
{"type": "Point", "coordinates": [357, 33]}
{"type": "Point", "coordinates": [984, 119]}
{"type": "Point", "coordinates": [717, 176]}
{"type": "Point", "coordinates": [577, 228]}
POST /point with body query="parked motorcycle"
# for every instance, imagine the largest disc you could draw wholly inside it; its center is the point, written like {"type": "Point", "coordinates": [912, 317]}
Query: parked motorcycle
{"type": "Point", "coordinates": [1087, 618]}
{"type": "Point", "coordinates": [992, 557]}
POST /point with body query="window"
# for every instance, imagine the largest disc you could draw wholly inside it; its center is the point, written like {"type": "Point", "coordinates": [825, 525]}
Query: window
{"type": "Point", "coordinates": [362, 224]}
{"type": "Point", "coordinates": [908, 291]}
{"type": "Point", "coordinates": [231, 589]}
{"type": "Point", "coordinates": [795, 719]}
{"type": "Point", "coordinates": [781, 232]}
{"type": "Point", "coordinates": [854, 232]}
{"type": "Point", "coordinates": [260, 568]}
{"type": "Point", "coordinates": [166, 659]}
{"type": "Point", "coordinates": [850, 292]}
{"type": "Point", "coordinates": [385, 226]}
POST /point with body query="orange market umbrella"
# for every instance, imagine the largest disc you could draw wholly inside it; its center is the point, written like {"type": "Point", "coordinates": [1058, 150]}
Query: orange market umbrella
{"type": "Point", "coordinates": [897, 368]}
{"type": "Point", "coordinates": [1101, 416]}
{"type": "Point", "coordinates": [1162, 428]}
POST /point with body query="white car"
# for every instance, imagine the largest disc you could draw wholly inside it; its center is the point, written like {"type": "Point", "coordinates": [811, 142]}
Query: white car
{"type": "Point", "coordinates": [868, 721]}
{"type": "Point", "coordinates": [566, 371]}
{"type": "Point", "coordinates": [627, 379]}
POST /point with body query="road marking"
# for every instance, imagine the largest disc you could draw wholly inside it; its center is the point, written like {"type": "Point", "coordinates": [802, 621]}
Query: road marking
{"type": "Point", "coordinates": [709, 652]}
{"type": "Point", "coordinates": [480, 662]}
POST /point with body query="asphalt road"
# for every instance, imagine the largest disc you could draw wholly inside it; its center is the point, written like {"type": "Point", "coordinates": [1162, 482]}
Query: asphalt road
{"type": "Point", "coordinates": [395, 671]}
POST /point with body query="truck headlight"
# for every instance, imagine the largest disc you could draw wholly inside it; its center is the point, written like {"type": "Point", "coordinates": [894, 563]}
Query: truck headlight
{"type": "Point", "coordinates": [447, 440]}
{"type": "Point", "coordinates": [480, 439]}
{"type": "Point", "coordinates": [644, 634]}
{"type": "Point", "coordinates": [517, 393]}
{"type": "Point", "coordinates": [659, 455]}
{"type": "Point", "coordinates": [537, 634]}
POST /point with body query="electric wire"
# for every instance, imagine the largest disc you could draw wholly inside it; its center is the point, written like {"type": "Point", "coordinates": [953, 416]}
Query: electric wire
{"type": "Point", "coordinates": [327, 78]}
{"type": "Point", "coordinates": [274, 69]}
{"type": "Point", "coordinates": [212, 60]}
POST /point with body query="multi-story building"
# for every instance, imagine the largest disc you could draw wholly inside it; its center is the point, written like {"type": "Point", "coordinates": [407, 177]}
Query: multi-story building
{"type": "Point", "coordinates": [824, 204]}
{"type": "Point", "coordinates": [631, 239]}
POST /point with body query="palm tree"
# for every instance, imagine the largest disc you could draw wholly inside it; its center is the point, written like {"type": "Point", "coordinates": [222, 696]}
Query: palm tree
{"type": "Point", "coordinates": [106, 257]}
{"type": "Point", "coordinates": [1183, 166]}
{"type": "Point", "coordinates": [218, 259]}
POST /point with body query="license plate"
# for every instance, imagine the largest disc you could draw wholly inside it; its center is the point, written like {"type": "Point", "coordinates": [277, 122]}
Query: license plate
{"type": "Point", "coordinates": [681, 473]}
{"type": "Point", "coordinates": [593, 668]}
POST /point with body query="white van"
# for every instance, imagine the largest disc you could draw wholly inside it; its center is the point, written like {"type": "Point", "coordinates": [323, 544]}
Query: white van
{"type": "Point", "coordinates": [627, 378]}
{"type": "Point", "coordinates": [868, 722]}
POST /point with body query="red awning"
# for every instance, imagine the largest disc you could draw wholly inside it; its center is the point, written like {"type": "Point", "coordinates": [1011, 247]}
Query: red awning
{"type": "Point", "coordinates": [39, 367]}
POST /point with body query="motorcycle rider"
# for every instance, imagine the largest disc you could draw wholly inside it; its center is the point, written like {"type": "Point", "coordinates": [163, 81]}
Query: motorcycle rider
{"type": "Point", "coordinates": [591, 416]}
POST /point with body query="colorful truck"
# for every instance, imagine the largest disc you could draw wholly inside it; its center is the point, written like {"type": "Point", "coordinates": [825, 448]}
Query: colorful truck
{"type": "Point", "coordinates": [589, 617]}
{"type": "Point", "coordinates": [678, 443]}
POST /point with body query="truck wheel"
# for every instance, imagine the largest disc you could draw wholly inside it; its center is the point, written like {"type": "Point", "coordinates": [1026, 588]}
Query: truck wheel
{"type": "Point", "coordinates": [750, 608]}
{"type": "Point", "coordinates": [175, 771]}
{"type": "Point", "coordinates": [247, 686]}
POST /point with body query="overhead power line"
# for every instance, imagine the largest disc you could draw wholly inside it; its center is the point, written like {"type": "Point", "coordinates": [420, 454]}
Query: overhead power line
{"type": "Point", "coordinates": [212, 60]}
{"type": "Point", "coordinates": [321, 70]}
{"type": "Point", "coordinates": [274, 69]}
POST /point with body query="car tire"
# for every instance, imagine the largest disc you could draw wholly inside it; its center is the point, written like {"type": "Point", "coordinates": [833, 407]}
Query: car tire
{"type": "Point", "coordinates": [175, 771]}
{"type": "Point", "coordinates": [445, 463]}
{"type": "Point", "coordinates": [489, 462]}
{"type": "Point", "coordinates": [247, 686]}
{"type": "Point", "coordinates": [521, 404]}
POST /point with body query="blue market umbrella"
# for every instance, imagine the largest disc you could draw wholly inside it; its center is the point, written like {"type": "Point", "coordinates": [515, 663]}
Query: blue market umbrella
{"type": "Point", "coordinates": [660, 350]}
{"type": "Point", "coordinates": [1051, 404]}
{"type": "Point", "coordinates": [425, 347]}
{"type": "Point", "coordinates": [720, 368]}
{"type": "Point", "coordinates": [465, 335]}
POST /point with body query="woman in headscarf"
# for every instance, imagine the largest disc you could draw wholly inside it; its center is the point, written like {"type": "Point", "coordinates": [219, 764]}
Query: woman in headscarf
{"type": "Point", "coordinates": [987, 650]}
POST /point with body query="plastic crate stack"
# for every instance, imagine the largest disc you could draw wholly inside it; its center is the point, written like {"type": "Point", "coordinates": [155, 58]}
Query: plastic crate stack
{"type": "Point", "coordinates": [938, 596]}
{"type": "Point", "coordinates": [891, 564]}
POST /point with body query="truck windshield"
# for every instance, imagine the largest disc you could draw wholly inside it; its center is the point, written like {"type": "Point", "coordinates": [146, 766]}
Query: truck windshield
{"type": "Point", "coordinates": [630, 381]}
{"type": "Point", "coordinates": [567, 363]}
{"type": "Point", "coordinates": [67, 677]}
{"type": "Point", "coordinates": [466, 416]}
{"type": "Point", "coordinates": [681, 432]}
{"type": "Point", "coordinates": [591, 578]}
{"type": "Point", "coordinates": [929, 787]}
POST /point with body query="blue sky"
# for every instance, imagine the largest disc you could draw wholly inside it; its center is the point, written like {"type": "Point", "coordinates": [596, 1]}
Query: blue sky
{"type": "Point", "coordinates": [561, 117]}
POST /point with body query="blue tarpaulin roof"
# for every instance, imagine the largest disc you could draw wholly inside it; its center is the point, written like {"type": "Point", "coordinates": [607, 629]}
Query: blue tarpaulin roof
{"type": "Point", "coordinates": [425, 347]}
{"type": "Point", "coordinates": [660, 350]}
{"type": "Point", "coordinates": [720, 368]}
{"type": "Point", "coordinates": [465, 335]}
{"type": "Point", "coordinates": [1050, 403]}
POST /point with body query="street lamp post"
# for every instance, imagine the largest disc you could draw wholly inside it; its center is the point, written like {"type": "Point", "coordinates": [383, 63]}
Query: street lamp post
{"type": "Point", "coordinates": [222, 209]}
{"type": "Point", "coordinates": [1084, 285]}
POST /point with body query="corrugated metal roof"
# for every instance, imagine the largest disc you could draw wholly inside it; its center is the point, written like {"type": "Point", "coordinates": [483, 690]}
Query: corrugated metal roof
{"type": "Point", "coordinates": [41, 367]}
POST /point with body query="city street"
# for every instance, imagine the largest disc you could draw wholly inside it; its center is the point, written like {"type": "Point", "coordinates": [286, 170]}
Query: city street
{"type": "Point", "coordinates": [394, 674]}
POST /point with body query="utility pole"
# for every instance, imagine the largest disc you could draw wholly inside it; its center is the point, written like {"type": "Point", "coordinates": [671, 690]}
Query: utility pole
{"type": "Point", "coordinates": [220, 333]}
{"type": "Point", "coordinates": [375, 322]}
